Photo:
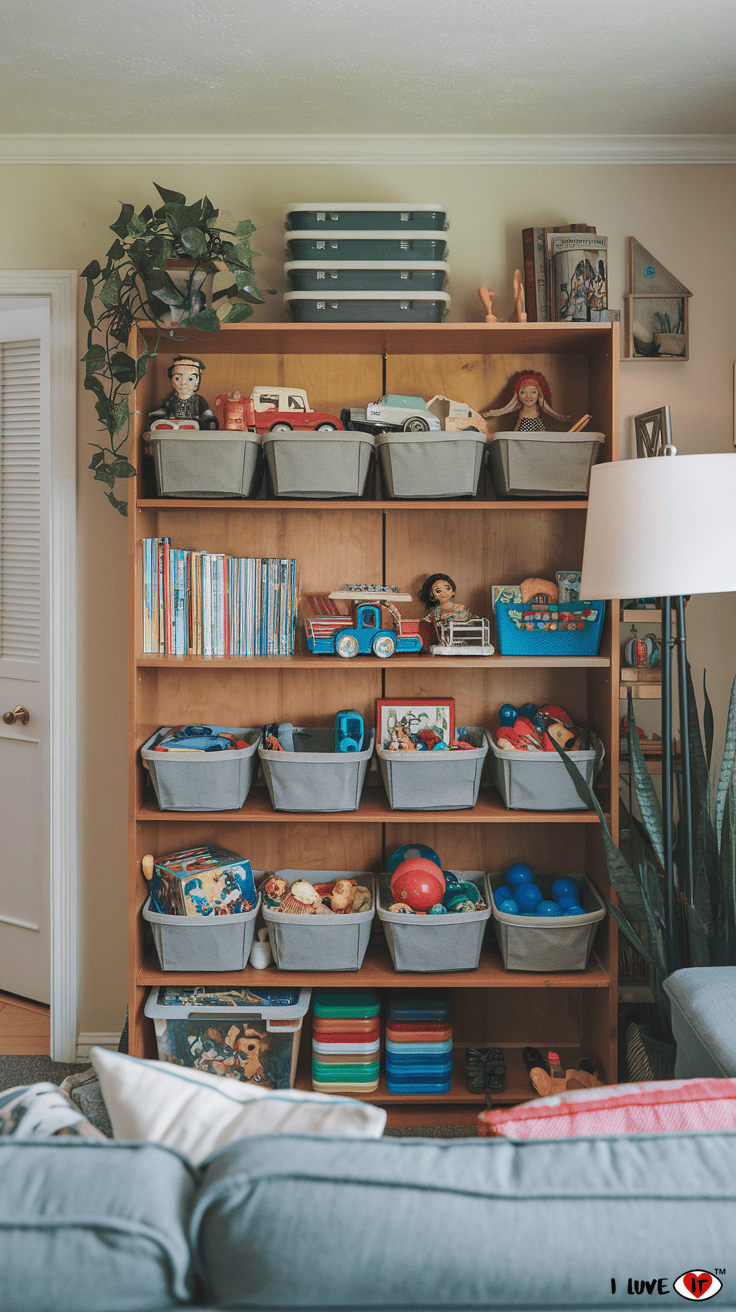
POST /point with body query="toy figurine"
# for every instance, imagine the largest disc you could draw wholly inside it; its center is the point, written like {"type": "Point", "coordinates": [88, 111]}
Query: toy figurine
{"type": "Point", "coordinates": [438, 592]}
{"type": "Point", "coordinates": [487, 298]}
{"type": "Point", "coordinates": [185, 402]}
{"type": "Point", "coordinates": [519, 301]}
{"type": "Point", "coordinates": [233, 408]}
{"type": "Point", "coordinates": [531, 394]}
{"type": "Point", "coordinates": [458, 630]}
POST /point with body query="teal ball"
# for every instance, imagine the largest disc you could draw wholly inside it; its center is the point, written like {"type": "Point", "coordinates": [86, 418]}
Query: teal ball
{"type": "Point", "coordinates": [564, 887]}
{"type": "Point", "coordinates": [528, 896]}
{"type": "Point", "coordinates": [501, 894]}
{"type": "Point", "coordinates": [510, 907]}
{"type": "Point", "coordinates": [564, 903]}
{"type": "Point", "coordinates": [574, 911]}
{"type": "Point", "coordinates": [545, 908]}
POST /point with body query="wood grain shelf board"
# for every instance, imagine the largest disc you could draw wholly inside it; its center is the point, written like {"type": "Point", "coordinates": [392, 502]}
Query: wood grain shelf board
{"type": "Point", "coordinates": [308, 661]}
{"type": "Point", "coordinates": [191, 503]}
{"type": "Point", "coordinates": [373, 809]}
{"type": "Point", "coordinates": [651, 690]}
{"type": "Point", "coordinates": [639, 616]}
{"type": "Point", "coordinates": [377, 972]}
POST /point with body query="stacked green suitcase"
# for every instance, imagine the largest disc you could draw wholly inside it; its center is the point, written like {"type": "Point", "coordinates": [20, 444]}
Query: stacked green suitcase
{"type": "Point", "coordinates": [366, 262]}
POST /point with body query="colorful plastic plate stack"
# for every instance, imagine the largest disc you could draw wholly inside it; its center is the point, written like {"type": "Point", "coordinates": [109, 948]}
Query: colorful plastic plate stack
{"type": "Point", "coordinates": [419, 1042]}
{"type": "Point", "coordinates": [346, 1041]}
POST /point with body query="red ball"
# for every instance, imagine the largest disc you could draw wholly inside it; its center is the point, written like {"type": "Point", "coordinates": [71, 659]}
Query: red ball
{"type": "Point", "coordinates": [419, 883]}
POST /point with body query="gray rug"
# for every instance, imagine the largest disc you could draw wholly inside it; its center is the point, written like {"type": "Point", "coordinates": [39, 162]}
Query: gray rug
{"type": "Point", "coordinates": [32, 1070]}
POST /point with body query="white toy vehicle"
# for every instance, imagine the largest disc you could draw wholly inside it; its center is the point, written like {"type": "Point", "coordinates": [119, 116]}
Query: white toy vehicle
{"type": "Point", "coordinates": [454, 416]}
{"type": "Point", "coordinates": [392, 413]}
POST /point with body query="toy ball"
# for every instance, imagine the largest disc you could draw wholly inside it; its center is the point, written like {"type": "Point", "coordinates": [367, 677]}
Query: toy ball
{"type": "Point", "coordinates": [419, 883]}
{"type": "Point", "coordinates": [545, 908]}
{"type": "Point", "coordinates": [501, 894]}
{"type": "Point", "coordinates": [574, 911]}
{"type": "Point", "coordinates": [565, 887]}
{"type": "Point", "coordinates": [450, 879]}
{"type": "Point", "coordinates": [519, 873]}
{"type": "Point", "coordinates": [565, 903]}
{"type": "Point", "coordinates": [528, 896]}
{"type": "Point", "coordinates": [412, 850]}
{"type": "Point", "coordinates": [437, 910]}
{"type": "Point", "coordinates": [507, 714]}
{"type": "Point", "coordinates": [510, 907]}
{"type": "Point", "coordinates": [529, 709]}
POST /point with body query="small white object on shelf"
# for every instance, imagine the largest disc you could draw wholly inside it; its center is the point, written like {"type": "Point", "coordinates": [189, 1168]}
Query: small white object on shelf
{"type": "Point", "coordinates": [261, 955]}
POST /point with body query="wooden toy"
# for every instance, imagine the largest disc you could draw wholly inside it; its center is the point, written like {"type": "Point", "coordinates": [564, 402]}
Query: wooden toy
{"type": "Point", "coordinates": [185, 401]}
{"type": "Point", "coordinates": [363, 631]}
{"type": "Point", "coordinates": [487, 298]}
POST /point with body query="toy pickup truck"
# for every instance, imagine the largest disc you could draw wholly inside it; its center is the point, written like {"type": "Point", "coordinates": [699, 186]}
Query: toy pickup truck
{"type": "Point", "coordinates": [273, 410]}
{"type": "Point", "coordinates": [362, 632]}
{"type": "Point", "coordinates": [392, 413]}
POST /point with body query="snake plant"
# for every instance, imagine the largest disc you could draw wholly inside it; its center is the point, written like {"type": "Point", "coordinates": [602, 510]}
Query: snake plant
{"type": "Point", "coordinates": [704, 931]}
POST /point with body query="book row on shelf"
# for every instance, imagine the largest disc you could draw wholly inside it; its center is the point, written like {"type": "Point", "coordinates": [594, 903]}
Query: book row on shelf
{"type": "Point", "coordinates": [200, 603]}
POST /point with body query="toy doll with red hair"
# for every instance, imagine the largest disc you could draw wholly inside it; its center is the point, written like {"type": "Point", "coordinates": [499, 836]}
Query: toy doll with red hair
{"type": "Point", "coordinates": [531, 396]}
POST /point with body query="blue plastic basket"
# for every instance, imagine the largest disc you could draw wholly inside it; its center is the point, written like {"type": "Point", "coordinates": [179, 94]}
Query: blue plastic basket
{"type": "Point", "coordinates": [535, 630]}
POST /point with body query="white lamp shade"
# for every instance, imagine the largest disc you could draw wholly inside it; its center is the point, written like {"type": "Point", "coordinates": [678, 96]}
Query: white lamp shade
{"type": "Point", "coordinates": [663, 526]}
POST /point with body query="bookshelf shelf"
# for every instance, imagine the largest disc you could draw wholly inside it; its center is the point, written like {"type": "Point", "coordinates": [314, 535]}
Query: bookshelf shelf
{"type": "Point", "coordinates": [479, 542]}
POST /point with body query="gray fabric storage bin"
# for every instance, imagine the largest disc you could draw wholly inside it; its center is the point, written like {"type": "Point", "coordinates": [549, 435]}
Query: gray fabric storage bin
{"type": "Point", "coordinates": [431, 465]}
{"type": "Point", "coordinates": [538, 781]}
{"type": "Point", "coordinates": [206, 464]}
{"type": "Point", "coordinates": [202, 781]}
{"type": "Point", "coordinates": [548, 943]}
{"type": "Point", "coordinates": [314, 777]}
{"type": "Point", "coordinates": [329, 464]}
{"type": "Point", "coordinates": [434, 781]}
{"type": "Point", "coordinates": [202, 942]}
{"type": "Point", "coordinates": [435, 943]}
{"type": "Point", "coordinates": [320, 942]}
{"type": "Point", "coordinates": [543, 464]}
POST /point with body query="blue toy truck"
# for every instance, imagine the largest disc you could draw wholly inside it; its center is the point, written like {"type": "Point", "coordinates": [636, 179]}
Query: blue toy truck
{"type": "Point", "coordinates": [362, 632]}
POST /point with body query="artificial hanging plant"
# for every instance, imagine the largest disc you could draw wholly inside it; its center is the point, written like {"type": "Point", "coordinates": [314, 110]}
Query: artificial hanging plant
{"type": "Point", "coordinates": [134, 285]}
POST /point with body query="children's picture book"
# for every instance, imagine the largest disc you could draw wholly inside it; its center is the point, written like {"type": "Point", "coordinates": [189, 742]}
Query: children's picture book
{"type": "Point", "coordinates": [578, 277]}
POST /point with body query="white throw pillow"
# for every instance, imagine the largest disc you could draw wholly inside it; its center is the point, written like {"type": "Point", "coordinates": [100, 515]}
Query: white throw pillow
{"type": "Point", "coordinates": [200, 1113]}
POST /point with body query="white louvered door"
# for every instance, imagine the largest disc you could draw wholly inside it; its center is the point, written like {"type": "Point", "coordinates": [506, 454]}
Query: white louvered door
{"type": "Point", "coordinates": [24, 649]}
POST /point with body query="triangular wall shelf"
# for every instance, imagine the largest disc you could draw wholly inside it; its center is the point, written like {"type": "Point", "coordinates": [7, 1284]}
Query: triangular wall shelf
{"type": "Point", "coordinates": [655, 310]}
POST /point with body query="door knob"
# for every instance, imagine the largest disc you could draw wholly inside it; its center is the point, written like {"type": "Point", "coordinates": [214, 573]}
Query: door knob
{"type": "Point", "coordinates": [20, 713]}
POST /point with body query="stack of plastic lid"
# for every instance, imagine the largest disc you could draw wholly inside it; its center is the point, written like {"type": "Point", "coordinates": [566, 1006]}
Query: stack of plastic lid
{"type": "Point", "coordinates": [366, 262]}
{"type": "Point", "coordinates": [346, 1041]}
{"type": "Point", "coordinates": [419, 1042]}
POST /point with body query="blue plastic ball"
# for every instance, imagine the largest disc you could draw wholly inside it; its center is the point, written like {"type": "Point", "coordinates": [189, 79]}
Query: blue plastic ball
{"type": "Point", "coordinates": [528, 896]}
{"type": "Point", "coordinates": [437, 910]}
{"type": "Point", "coordinates": [564, 903]}
{"type": "Point", "coordinates": [510, 907]}
{"type": "Point", "coordinates": [412, 850]}
{"type": "Point", "coordinates": [529, 710]}
{"type": "Point", "coordinates": [528, 913]}
{"type": "Point", "coordinates": [507, 714]}
{"type": "Point", "coordinates": [564, 887]}
{"type": "Point", "coordinates": [450, 878]}
{"type": "Point", "coordinates": [574, 911]}
{"type": "Point", "coordinates": [519, 873]}
{"type": "Point", "coordinates": [545, 908]}
{"type": "Point", "coordinates": [501, 894]}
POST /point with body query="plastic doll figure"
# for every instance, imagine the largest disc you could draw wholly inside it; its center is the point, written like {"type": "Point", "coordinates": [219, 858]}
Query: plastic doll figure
{"type": "Point", "coordinates": [185, 402]}
{"type": "Point", "coordinates": [531, 395]}
{"type": "Point", "coordinates": [438, 591]}
{"type": "Point", "coordinates": [234, 407]}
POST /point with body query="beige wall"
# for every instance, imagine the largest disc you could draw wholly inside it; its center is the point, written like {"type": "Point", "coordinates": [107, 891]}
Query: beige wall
{"type": "Point", "coordinates": [58, 217]}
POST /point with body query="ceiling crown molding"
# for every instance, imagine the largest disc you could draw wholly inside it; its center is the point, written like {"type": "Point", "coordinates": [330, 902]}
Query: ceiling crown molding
{"type": "Point", "coordinates": [78, 148]}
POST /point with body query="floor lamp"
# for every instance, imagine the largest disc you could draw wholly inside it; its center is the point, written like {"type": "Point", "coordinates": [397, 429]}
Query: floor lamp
{"type": "Point", "coordinates": [664, 527]}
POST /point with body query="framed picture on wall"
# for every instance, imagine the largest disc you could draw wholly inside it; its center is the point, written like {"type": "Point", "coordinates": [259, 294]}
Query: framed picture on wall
{"type": "Point", "coordinates": [400, 718]}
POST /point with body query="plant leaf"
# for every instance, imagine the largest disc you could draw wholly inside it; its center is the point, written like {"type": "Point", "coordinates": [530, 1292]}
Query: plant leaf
{"type": "Point", "coordinates": [244, 230]}
{"type": "Point", "coordinates": [649, 804]}
{"type": "Point", "coordinates": [630, 933]}
{"type": "Point", "coordinates": [122, 469]}
{"type": "Point", "coordinates": [206, 320]}
{"type": "Point", "coordinates": [170, 197]}
{"type": "Point", "coordinates": [120, 506]}
{"type": "Point", "coordinates": [707, 724]}
{"type": "Point", "coordinates": [93, 270]}
{"type": "Point", "coordinates": [194, 242]}
{"type": "Point", "coordinates": [237, 313]}
{"type": "Point", "coordinates": [97, 457]}
{"type": "Point", "coordinates": [110, 291]}
{"type": "Point", "coordinates": [120, 416]}
{"type": "Point", "coordinates": [104, 474]}
{"type": "Point", "coordinates": [726, 774]}
{"type": "Point", "coordinates": [121, 224]}
{"type": "Point", "coordinates": [122, 367]}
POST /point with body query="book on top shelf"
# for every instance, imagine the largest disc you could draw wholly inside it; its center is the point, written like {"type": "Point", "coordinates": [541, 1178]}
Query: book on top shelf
{"type": "Point", "coordinates": [536, 272]}
{"type": "Point", "coordinates": [578, 277]}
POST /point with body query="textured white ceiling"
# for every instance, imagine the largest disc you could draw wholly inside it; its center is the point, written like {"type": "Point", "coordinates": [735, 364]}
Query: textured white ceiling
{"type": "Point", "coordinates": [368, 66]}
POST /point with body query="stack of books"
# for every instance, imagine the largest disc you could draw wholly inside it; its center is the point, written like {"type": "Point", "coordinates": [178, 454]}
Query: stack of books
{"type": "Point", "coordinates": [199, 603]}
{"type": "Point", "coordinates": [566, 275]}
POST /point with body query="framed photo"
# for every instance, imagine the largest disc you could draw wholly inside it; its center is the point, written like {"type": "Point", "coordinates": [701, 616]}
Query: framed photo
{"type": "Point", "coordinates": [397, 715]}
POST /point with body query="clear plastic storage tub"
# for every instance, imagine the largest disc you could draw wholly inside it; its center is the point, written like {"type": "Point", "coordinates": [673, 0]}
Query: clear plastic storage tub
{"type": "Point", "coordinates": [548, 943]}
{"type": "Point", "coordinates": [202, 781]}
{"type": "Point", "coordinates": [435, 943]}
{"type": "Point", "coordinates": [388, 215]}
{"type": "Point", "coordinates": [320, 942]}
{"type": "Point", "coordinates": [367, 307]}
{"type": "Point", "coordinates": [249, 1034]}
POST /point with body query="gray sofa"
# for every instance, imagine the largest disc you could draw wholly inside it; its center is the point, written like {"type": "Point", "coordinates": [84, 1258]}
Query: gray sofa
{"type": "Point", "coordinates": [312, 1222]}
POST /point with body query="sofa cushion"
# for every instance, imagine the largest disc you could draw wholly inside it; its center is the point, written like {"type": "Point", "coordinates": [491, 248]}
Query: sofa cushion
{"type": "Point", "coordinates": [654, 1106]}
{"type": "Point", "coordinates": [87, 1224]}
{"type": "Point", "coordinates": [199, 1113]}
{"type": "Point", "coordinates": [286, 1223]}
{"type": "Point", "coordinates": [703, 1006]}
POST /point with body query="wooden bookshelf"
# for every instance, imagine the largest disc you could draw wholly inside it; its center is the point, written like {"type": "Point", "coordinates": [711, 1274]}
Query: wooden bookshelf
{"type": "Point", "coordinates": [480, 542]}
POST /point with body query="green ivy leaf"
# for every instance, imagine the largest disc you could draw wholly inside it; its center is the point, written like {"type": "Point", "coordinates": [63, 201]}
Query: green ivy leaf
{"type": "Point", "coordinates": [170, 197]}
{"type": "Point", "coordinates": [120, 506]}
{"type": "Point", "coordinates": [121, 226]}
{"type": "Point", "coordinates": [248, 288]}
{"type": "Point", "coordinates": [122, 469]}
{"type": "Point", "coordinates": [110, 293]}
{"type": "Point", "coordinates": [97, 457]}
{"type": "Point", "coordinates": [194, 242]}
{"type": "Point", "coordinates": [94, 358]}
{"type": "Point", "coordinates": [206, 321]}
{"type": "Point", "coordinates": [244, 230]}
{"type": "Point", "coordinates": [104, 474]}
{"type": "Point", "coordinates": [122, 367]}
{"type": "Point", "coordinates": [93, 270]}
{"type": "Point", "coordinates": [120, 416]}
{"type": "Point", "coordinates": [238, 313]}
{"type": "Point", "coordinates": [116, 251]}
